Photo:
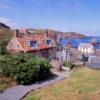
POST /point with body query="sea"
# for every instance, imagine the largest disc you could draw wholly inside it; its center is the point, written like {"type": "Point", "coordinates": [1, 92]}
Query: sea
{"type": "Point", "coordinates": [76, 41]}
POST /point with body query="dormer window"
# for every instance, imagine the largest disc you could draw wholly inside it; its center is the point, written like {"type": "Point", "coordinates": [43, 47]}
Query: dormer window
{"type": "Point", "coordinates": [49, 41]}
{"type": "Point", "coordinates": [33, 44]}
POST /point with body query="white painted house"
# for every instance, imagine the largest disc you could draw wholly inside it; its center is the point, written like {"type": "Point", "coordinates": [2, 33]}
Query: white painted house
{"type": "Point", "coordinates": [86, 48]}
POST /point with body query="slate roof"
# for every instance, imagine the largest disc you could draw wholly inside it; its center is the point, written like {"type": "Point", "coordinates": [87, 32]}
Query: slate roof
{"type": "Point", "coordinates": [86, 45]}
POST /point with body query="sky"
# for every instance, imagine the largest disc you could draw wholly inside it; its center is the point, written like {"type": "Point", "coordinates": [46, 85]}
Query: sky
{"type": "Point", "coordinates": [81, 16]}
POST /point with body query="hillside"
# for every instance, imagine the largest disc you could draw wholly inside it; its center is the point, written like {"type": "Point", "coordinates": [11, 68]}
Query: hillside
{"type": "Point", "coordinates": [2, 25]}
{"type": "Point", "coordinates": [5, 36]}
{"type": "Point", "coordinates": [49, 32]}
{"type": "Point", "coordinates": [55, 33]}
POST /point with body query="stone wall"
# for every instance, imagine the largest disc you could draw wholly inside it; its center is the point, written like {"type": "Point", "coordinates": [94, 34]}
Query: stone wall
{"type": "Point", "coordinates": [49, 53]}
{"type": "Point", "coordinates": [94, 59]}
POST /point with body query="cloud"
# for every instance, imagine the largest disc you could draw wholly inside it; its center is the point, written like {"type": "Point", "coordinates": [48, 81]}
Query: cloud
{"type": "Point", "coordinates": [9, 22]}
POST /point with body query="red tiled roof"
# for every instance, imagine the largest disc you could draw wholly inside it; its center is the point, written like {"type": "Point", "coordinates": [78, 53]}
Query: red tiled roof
{"type": "Point", "coordinates": [39, 38]}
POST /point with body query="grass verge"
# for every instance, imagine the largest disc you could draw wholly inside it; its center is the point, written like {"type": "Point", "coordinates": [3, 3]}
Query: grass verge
{"type": "Point", "coordinates": [84, 84]}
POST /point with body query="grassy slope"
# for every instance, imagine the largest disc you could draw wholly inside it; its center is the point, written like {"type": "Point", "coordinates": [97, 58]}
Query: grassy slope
{"type": "Point", "coordinates": [83, 85]}
{"type": "Point", "coordinates": [6, 82]}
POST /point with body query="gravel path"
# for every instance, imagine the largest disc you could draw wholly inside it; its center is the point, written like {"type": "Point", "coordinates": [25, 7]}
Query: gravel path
{"type": "Point", "coordinates": [17, 92]}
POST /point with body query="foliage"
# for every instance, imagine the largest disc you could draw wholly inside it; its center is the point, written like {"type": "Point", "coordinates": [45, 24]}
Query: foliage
{"type": "Point", "coordinates": [69, 64]}
{"type": "Point", "coordinates": [7, 62]}
{"type": "Point", "coordinates": [5, 36]}
{"type": "Point", "coordinates": [31, 71]}
{"type": "Point", "coordinates": [5, 65]}
{"type": "Point", "coordinates": [24, 68]}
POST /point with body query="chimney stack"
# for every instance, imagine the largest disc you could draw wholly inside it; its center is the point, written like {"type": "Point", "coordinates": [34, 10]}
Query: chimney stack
{"type": "Point", "coordinates": [47, 33]}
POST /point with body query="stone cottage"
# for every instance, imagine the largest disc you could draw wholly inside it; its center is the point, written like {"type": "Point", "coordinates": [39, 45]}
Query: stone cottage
{"type": "Point", "coordinates": [37, 44]}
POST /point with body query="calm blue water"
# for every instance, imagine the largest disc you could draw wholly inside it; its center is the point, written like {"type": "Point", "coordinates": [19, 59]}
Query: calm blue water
{"type": "Point", "coordinates": [76, 41]}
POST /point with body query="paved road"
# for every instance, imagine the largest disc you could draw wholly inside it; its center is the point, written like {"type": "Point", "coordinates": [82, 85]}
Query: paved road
{"type": "Point", "coordinates": [17, 92]}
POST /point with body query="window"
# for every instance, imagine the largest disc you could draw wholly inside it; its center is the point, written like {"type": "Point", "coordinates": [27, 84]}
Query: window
{"type": "Point", "coordinates": [33, 44]}
{"type": "Point", "coordinates": [49, 41]}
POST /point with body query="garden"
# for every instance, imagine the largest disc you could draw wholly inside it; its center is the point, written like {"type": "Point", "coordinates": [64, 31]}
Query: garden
{"type": "Point", "coordinates": [22, 69]}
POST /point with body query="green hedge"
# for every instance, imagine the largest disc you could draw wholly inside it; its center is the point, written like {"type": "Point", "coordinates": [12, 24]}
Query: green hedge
{"type": "Point", "coordinates": [69, 64]}
{"type": "Point", "coordinates": [24, 68]}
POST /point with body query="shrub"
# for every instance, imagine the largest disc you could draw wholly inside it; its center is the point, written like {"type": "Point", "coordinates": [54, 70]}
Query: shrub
{"type": "Point", "coordinates": [7, 62]}
{"type": "Point", "coordinates": [5, 66]}
{"type": "Point", "coordinates": [32, 70]}
{"type": "Point", "coordinates": [69, 64]}
{"type": "Point", "coordinates": [5, 37]}
{"type": "Point", "coordinates": [44, 68]}
{"type": "Point", "coordinates": [24, 68]}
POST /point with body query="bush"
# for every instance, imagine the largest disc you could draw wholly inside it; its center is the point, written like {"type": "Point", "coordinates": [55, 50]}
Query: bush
{"type": "Point", "coordinates": [5, 66]}
{"type": "Point", "coordinates": [7, 62]}
{"type": "Point", "coordinates": [5, 37]}
{"type": "Point", "coordinates": [24, 68]}
{"type": "Point", "coordinates": [69, 64]}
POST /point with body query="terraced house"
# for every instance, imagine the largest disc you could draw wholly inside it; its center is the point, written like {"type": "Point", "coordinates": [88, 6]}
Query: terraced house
{"type": "Point", "coordinates": [37, 44]}
{"type": "Point", "coordinates": [86, 48]}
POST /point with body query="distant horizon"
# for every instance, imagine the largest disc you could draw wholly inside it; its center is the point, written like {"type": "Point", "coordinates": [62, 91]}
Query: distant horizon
{"type": "Point", "coordinates": [82, 16]}
{"type": "Point", "coordinates": [49, 29]}
{"type": "Point", "coordinates": [56, 30]}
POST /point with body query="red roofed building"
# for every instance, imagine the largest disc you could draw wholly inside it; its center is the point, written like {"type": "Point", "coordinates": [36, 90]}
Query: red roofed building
{"type": "Point", "coordinates": [38, 44]}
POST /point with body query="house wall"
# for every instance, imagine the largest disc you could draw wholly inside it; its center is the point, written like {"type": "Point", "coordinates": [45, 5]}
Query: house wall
{"type": "Point", "coordinates": [94, 59]}
{"type": "Point", "coordinates": [49, 53]}
{"type": "Point", "coordinates": [69, 54]}
{"type": "Point", "coordinates": [86, 50]}
{"type": "Point", "coordinates": [14, 46]}
{"type": "Point", "coordinates": [61, 55]}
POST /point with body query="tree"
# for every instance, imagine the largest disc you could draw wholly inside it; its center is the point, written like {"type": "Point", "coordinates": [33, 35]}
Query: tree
{"type": "Point", "coordinates": [5, 36]}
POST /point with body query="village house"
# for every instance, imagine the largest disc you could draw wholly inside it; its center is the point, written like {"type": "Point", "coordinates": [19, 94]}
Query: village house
{"type": "Point", "coordinates": [61, 55]}
{"type": "Point", "coordinates": [69, 54]}
{"type": "Point", "coordinates": [86, 48]}
{"type": "Point", "coordinates": [37, 44]}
